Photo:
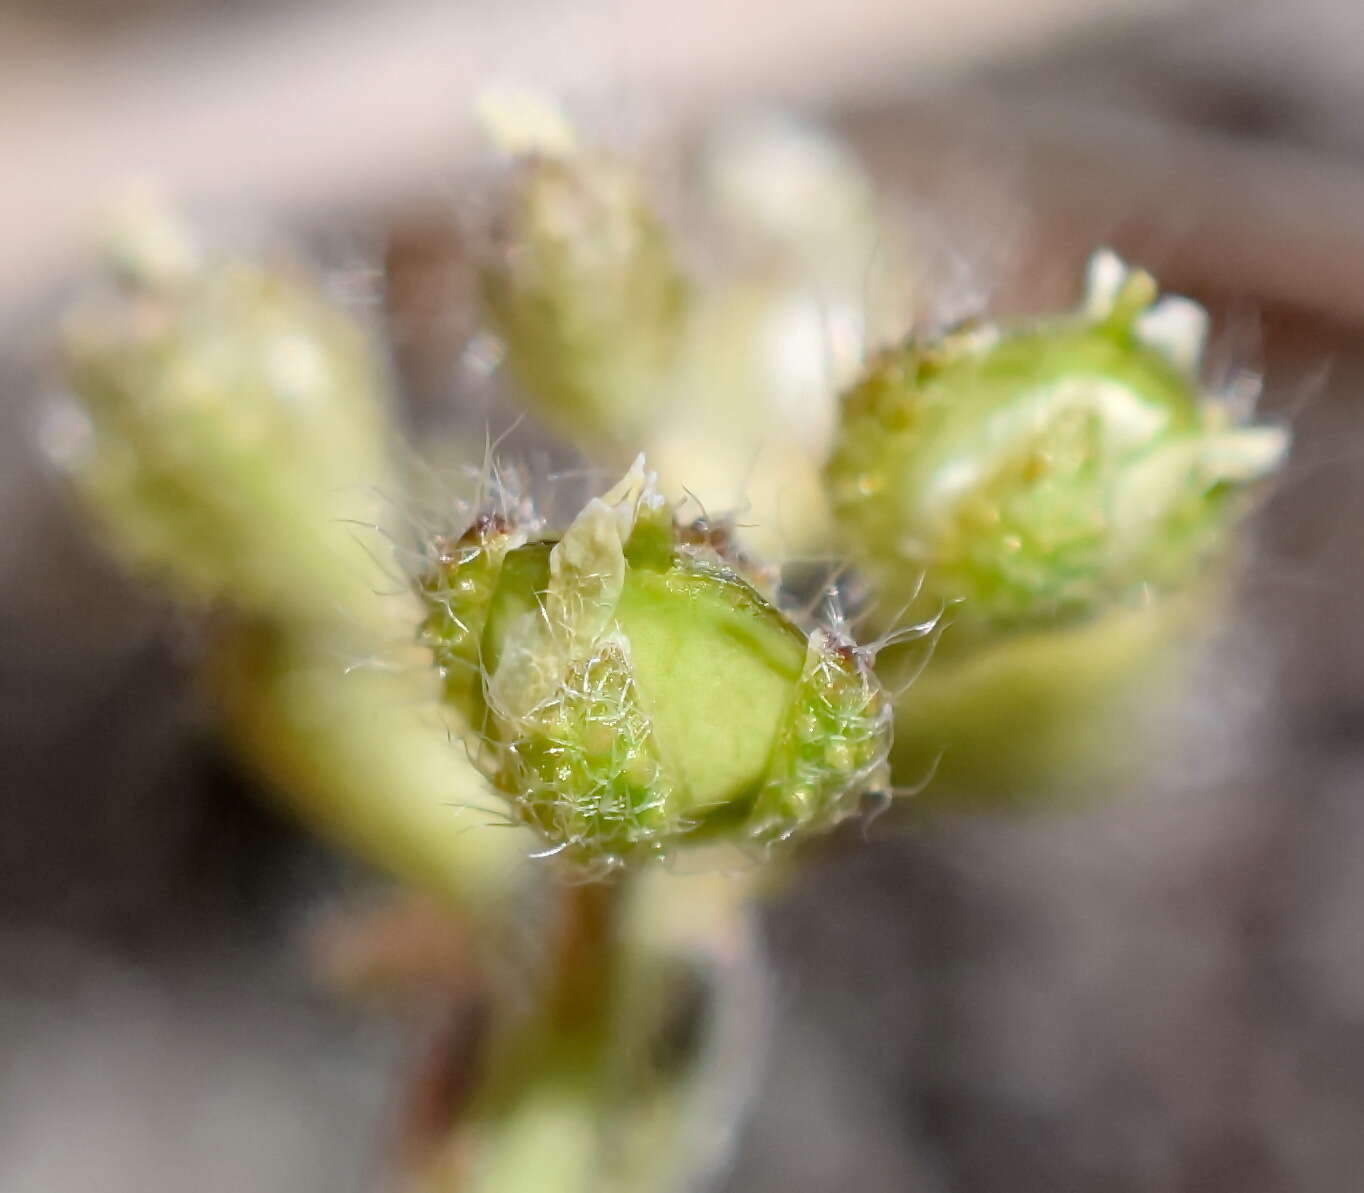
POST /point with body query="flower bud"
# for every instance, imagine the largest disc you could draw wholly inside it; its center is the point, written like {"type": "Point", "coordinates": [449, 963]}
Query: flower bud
{"type": "Point", "coordinates": [586, 295]}
{"type": "Point", "coordinates": [627, 688]}
{"type": "Point", "coordinates": [1034, 476]}
{"type": "Point", "coordinates": [234, 442]}
{"type": "Point", "coordinates": [233, 422]}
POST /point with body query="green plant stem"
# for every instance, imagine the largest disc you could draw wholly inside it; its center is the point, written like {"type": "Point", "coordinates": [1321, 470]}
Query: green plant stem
{"type": "Point", "coordinates": [636, 1060]}
{"type": "Point", "coordinates": [1053, 715]}
{"type": "Point", "coordinates": [363, 758]}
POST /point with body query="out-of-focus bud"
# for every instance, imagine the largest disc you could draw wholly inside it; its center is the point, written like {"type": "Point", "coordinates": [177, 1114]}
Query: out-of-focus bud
{"type": "Point", "coordinates": [583, 287]}
{"type": "Point", "coordinates": [791, 198]}
{"type": "Point", "coordinates": [235, 443]}
{"type": "Point", "coordinates": [234, 423]}
{"type": "Point", "coordinates": [729, 384]}
{"type": "Point", "coordinates": [628, 689]}
{"type": "Point", "coordinates": [1036, 476]}
{"type": "Point", "coordinates": [1066, 488]}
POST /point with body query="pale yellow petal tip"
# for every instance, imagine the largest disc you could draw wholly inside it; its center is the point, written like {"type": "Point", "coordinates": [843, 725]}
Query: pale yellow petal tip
{"type": "Point", "coordinates": [1177, 328]}
{"type": "Point", "coordinates": [1113, 287]}
{"type": "Point", "coordinates": [632, 488]}
{"type": "Point", "coordinates": [587, 565]}
{"type": "Point", "coordinates": [594, 543]}
{"type": "Point", "coordinates": [1173, 326]}
{"type": "Point", "coordinates": [789, 178]}
{"type": "Point", "coordinates": [144, 240]}
{"type": "Point", "coordinates": [1246, 454]}
{"type": "Point", "coordinates": [1103, 280]}
{"type": "Point", "coordinates": [521, 122]}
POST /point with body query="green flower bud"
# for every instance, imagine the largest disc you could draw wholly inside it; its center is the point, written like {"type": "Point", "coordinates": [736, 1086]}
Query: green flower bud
{"type": "Point", "coordinates": [1040, 474]}
{"type": "Point", "coordinates": [628, 688]}
{"type": "Point", "coordinates": [585, 294]}
{"type": "Point", "coordinates": [233, 421]}
{"type": "Point", "coordinates": [232, 434]}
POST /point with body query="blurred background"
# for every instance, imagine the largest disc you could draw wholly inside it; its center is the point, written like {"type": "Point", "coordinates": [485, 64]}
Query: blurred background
{"type": "Point", "coordinates": [1164, 991]}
